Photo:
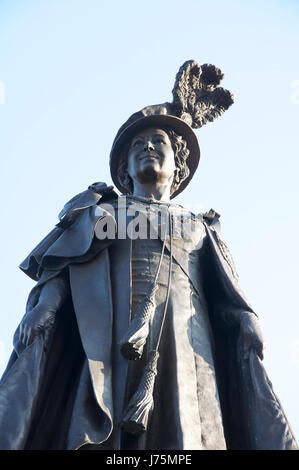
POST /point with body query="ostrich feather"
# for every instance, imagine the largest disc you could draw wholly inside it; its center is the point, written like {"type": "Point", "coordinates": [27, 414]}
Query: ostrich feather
{"type": "Point", "coordinates": [196, 96]}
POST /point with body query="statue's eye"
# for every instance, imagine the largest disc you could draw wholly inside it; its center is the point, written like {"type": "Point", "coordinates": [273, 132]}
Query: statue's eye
{"type": "Point", "coordinates": [159, 140]}
{"type": "Point", "coordinates": [137, 142]}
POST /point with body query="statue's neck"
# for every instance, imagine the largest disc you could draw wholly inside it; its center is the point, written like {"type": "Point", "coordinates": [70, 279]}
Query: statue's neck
{"type": "Point", "coordinates": [152, 191]}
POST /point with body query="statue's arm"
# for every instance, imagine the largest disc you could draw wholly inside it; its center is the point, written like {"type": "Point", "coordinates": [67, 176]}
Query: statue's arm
{"type": "Point", "coordinates": [42, 315]}
{"type": "Point", "coordinates": [230, 308]}
{"type": "Point", "coordinates": [251, 335]}
{"type": "Point", "coordinates": [229, 315]}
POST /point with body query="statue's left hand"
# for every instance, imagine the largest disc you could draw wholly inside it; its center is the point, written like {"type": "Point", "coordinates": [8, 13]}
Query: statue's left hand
{"type": "Point", "coordinates": [251, 335]}
{"type": "Point", "coordinates": [35, 322]}
{"type": "Point", "coordinates": [42, 315]}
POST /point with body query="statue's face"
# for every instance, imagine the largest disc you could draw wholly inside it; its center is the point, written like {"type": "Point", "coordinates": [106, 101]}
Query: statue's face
{"type": "Point", "coordinates": [151, 157]}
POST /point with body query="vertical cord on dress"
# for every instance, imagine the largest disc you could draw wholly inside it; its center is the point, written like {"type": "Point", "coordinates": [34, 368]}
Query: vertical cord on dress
{"type": "Point", "coordinates": [134, 340]}
{"type": "Point", "coordinates": [168, 283]}
{"type": "Point", "coordinates": [141, 404]}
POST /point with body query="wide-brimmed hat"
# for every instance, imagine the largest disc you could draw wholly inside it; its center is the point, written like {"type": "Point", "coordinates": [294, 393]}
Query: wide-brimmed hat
{"type": "Point", "coordinates": [196, 101]}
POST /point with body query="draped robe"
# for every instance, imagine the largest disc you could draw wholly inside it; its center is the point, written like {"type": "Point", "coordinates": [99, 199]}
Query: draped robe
{"type": "Point", "coordinates": [68, 388]}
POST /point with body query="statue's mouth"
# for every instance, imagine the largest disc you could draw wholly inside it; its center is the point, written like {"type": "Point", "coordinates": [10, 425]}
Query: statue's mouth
{"type": "Point", "coordinates": [150, 156]}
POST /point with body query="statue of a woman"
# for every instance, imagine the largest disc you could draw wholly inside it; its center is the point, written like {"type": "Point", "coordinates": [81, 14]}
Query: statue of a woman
{"type": "Point", "coordinates": [137, 335]}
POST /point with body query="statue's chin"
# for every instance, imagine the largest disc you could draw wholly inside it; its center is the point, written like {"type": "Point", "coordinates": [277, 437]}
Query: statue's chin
{"type": "Point", "coordinates": [149, 174]}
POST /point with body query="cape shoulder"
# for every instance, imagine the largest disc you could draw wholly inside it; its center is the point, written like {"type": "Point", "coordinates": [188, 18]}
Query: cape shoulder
{"type": "Point", "coordinates": [72, 236]}
{"type": "Point", "coordinates": [95, 193]}
{"type": "Point", "coordinates": [212, 221]}
{"type": "Point", "coordinates": [211, 218]}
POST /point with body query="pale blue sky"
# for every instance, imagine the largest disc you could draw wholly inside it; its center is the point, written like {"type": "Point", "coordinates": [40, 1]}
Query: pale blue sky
{"type": "Point", "coordinates": [72, 71]}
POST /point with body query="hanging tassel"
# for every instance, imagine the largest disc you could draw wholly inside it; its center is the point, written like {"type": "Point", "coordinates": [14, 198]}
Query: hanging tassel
{"type": "Point", "coordinates": [134, 340]}
{"type": "Point", "coordinates": [142, 402]}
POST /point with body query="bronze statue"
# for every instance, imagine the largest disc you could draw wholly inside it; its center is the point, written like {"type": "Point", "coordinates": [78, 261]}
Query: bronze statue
{"type": "Point", "coordinates": [136, 334]}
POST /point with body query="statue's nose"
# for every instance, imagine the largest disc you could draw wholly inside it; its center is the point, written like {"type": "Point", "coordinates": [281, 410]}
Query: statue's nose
{"type": "Point", "coordinates": [148, 145]}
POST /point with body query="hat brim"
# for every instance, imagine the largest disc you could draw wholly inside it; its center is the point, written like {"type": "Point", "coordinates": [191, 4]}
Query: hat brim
{"type": "Point", "coordinates": [163, 120]}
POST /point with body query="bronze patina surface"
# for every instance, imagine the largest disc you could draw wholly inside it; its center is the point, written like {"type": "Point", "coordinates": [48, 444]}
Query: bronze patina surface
{"type": "Point", "coordinates": [137, 335]}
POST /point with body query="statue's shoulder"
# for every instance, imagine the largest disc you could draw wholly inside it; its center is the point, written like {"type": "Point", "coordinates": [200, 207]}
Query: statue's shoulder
{"type": "Point", "coordinates": [95, 193]}
{"type": "Point", "coordinates": [211, 219]}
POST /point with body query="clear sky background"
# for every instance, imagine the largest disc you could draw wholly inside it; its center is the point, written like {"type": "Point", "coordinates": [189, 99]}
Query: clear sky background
{"type": "Point", "coordinates": [72, 71]}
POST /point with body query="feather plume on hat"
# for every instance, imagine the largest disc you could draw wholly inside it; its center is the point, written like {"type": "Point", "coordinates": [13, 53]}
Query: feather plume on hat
{"type": "Point", "coordinates": [196, 98]}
